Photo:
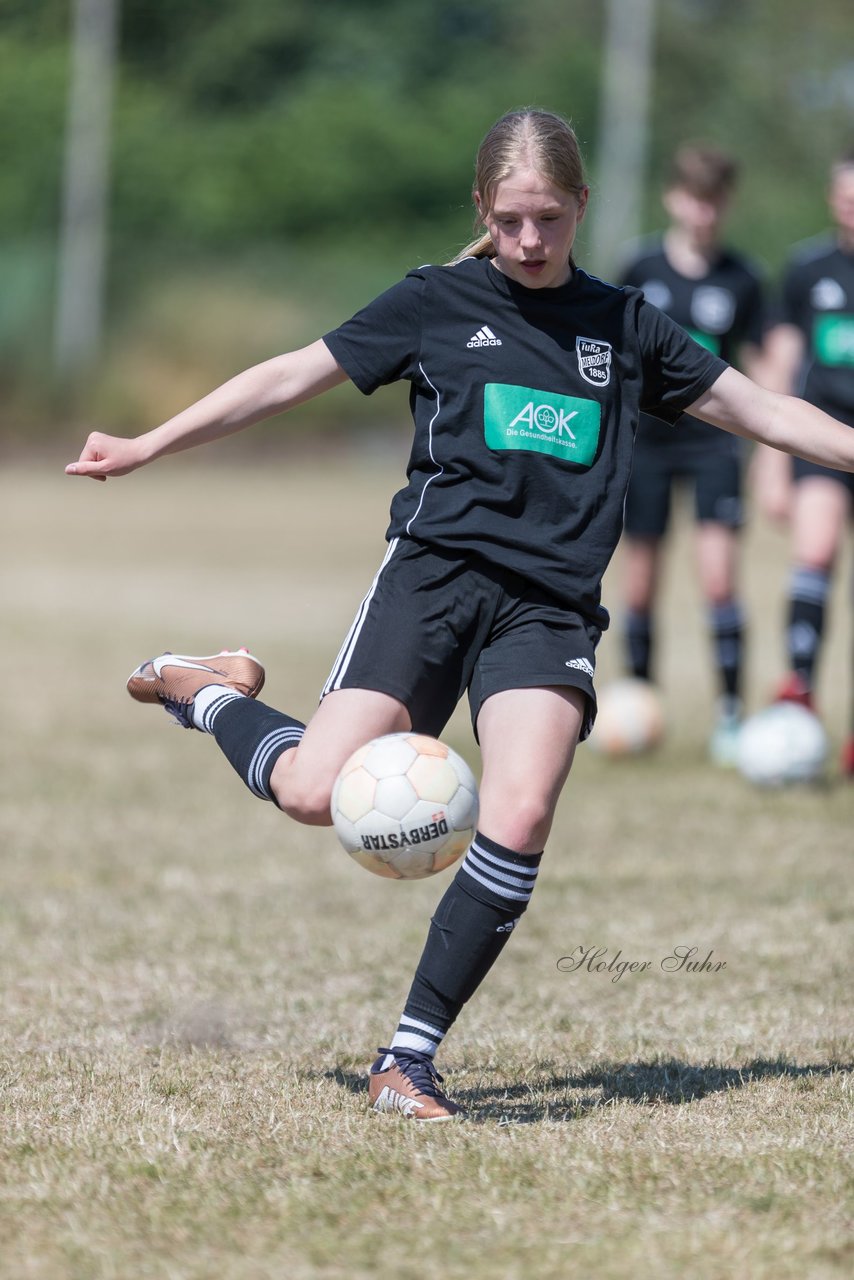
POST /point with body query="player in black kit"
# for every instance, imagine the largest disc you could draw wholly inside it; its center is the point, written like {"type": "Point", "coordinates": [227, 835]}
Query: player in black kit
{"type": "Point", "coordinates": [717, 297]}
{"type": "Point", "coordinates": [497, 544]}
{"type": "Point", "coordinates": [811, 353]}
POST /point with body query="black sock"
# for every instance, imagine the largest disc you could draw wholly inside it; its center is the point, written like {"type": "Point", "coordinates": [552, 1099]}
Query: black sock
{"type": "Point", "coordinates": [808, 591]}
{"type": "Point", "coordinates": [467, 934]}
{"type": "Point", "coordinates": [638, 637]}
{"type": "Point", "coordinates": [726, 623]}
{"type": "Point", "coordinates": [250, 734]}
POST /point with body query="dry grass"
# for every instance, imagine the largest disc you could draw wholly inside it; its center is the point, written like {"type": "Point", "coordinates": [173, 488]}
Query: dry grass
{"type": "Point", "coordinates": [192, 987]}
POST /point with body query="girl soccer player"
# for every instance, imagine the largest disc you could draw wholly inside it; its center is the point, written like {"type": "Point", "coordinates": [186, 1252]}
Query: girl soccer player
{"type": "Point", "coordinates": [527, 377]}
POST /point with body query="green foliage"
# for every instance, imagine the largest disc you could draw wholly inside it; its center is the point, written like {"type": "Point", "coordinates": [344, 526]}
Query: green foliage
{"type": "Point", "coordinates": [353, 124]}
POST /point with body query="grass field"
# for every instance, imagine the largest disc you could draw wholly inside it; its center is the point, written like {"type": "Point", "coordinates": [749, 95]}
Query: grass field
{"type": "Point", "coordinates": [192, 987]}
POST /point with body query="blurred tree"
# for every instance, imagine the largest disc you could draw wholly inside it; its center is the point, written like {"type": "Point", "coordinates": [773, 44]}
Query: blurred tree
{"type": "Point", "coordinates": [351, 125]}
{"type": "Point", "coordinates": [266, 119]}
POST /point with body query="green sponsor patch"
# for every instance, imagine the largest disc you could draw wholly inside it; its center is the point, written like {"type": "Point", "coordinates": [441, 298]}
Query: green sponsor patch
{"type": "Point", "coordinates": [833, 340]}
{"type": "Point", "coordinates": [541, 422]}
{"type": "Point", "coordinates": [706, 340]}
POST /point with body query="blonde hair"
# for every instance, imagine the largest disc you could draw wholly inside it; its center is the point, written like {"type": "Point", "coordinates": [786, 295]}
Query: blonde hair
{"type": "Point", "coordinates": [531, 138]}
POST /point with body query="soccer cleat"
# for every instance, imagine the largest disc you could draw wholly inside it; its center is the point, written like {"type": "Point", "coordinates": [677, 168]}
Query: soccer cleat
{"type": "Point", "coordinates": [794, 688]}
{"type": "Point", "coordinates": [409, 1087]}
{"type": "Point", "coordinates": [174, 679]}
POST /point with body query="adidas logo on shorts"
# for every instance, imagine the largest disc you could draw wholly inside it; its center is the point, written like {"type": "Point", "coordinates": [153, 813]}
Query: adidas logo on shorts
{"type": "Point", "coordinates": [484, 338]}
{"type": "Point", "coordinates": [580, 664]}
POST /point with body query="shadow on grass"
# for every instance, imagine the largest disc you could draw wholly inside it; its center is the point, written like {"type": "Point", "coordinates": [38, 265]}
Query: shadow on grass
{"type": "Point", "coordinates": [571, 1096]}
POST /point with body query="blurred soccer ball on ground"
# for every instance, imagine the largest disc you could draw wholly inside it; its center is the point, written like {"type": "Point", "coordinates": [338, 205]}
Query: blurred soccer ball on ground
{"type": "Point", "coordinates": [781, 745]}
{"type": "Point", "coordinates": [405, 806]}
{"type": "Point", "coordinates": [629, 720]}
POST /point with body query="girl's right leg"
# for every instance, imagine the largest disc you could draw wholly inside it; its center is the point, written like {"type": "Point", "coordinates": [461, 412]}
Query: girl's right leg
{"type": "Point", "coordinates": [278, 757]}
{"type": "Point", "coordinates": [302, 779]}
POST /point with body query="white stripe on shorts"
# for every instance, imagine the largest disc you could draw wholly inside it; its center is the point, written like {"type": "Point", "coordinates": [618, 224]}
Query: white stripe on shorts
{"type": "Point", "coordinates": [345, 653]}
{"type": "Point", "coordinates": [439, 468]}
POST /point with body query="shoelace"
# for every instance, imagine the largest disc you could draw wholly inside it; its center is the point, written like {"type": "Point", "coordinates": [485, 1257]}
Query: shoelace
{"type": "Point", "coordinates": [180, 712]}
{"type": "Point", "coordinates": [419, 1070]}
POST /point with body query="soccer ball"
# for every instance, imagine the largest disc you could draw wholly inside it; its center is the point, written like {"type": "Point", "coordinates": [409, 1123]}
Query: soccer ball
{"type": "Point", "coordinates": [782, 744]}
{"type": "Point", "coordinates": [629, 718]}
{"type": "Point", "coordinates": [405, 806]}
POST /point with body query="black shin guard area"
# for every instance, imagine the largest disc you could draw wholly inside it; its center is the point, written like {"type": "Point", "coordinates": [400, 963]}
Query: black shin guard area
{"type": "Point", "coordinates": [470, 929]}
{"type": "Point", "coordinates": [252, 736]}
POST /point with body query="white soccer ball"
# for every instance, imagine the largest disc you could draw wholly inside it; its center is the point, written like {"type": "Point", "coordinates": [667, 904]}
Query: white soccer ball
{"type": "Point", "coordinates": [629, 718]}
{"type": "Point", "coordinates": [405, 806]}
{"type": "Point", "coordinates": [782, 744]}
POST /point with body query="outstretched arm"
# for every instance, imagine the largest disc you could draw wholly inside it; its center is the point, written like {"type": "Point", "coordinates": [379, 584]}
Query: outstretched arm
{"type": "Point", "coordinates": [770, 470]}
{"type": "Point", "coordinates": [257, 393]}
{"type": "Point", "coordinates": [738, 405]}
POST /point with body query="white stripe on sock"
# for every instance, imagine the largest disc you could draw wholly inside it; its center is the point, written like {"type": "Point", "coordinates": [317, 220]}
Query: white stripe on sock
{"type": "Point", "coordinates": [287, 737]}
{"type": "Point", "coordinates": [490, 884]}
{"type": "Point", "coordinates": [406, 1021]}
{"type": "Point", "coordinates": [208, 703]}
{"type": "Point", "coordinates": [415, 1042]}
{"type": "Point", "coordinates": [476, 860]}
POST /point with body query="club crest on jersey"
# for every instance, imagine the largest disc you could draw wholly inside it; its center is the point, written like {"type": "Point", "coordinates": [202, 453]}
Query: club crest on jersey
{"type": "Point", "coordinates": [594, 361]}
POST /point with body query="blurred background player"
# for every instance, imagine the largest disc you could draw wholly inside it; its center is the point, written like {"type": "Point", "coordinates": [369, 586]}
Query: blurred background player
{"type": "Point", "coordinates": [714, 294]}
{"type": "Point", "coordinates": [811, 354]}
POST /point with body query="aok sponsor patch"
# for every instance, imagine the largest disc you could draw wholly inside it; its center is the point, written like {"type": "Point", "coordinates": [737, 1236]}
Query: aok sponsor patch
{"type": "Point", "coordinates": [833, 340]}
{"type": "Point", "coordinates": [541, 422]}
{"type": "Point", "coordinates": [706, 340]}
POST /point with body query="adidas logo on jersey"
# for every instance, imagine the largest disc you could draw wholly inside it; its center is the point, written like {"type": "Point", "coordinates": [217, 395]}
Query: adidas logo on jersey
{"type": "Point", "coordinates": [484, 338]}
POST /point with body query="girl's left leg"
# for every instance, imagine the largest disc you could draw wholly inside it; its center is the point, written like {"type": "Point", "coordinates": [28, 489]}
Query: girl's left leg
{"type": "Point", "coordinates": [528, 739]}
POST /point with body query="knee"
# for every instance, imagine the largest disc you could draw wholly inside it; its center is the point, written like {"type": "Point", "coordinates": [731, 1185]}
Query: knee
{"type": "Point", "coordinates": [312, 809]}
{"type": "Point", "coordinates": [521, 823]}
{"type": "Point", "coordinates": [304, 800]}
{"type": "Point", "coordinates": [820, 562]}
{"type": "Point", "coordinates": [719, 594]}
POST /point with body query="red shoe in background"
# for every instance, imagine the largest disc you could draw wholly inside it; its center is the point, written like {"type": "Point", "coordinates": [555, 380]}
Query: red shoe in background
{"type": "Point", "coordinates": [847, 759]}
{"type": "Point", "coordinates": [795, 689]}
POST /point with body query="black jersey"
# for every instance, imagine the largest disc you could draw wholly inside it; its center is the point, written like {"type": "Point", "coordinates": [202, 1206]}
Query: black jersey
{"type": "Point", "coordinates": [721, 310]}
{"type": "Point", "coordinates": [818, 298]}
{"type": "Point", "coordinates": [525, 404]}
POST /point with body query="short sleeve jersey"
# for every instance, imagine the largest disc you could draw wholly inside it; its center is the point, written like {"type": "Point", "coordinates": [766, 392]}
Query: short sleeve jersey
{"type": "Point", "coordinates": [525, 405]}
{"type": "Point", "coordinates": [721, 310]}
{"type": "Point", "coordinates": [818, 298]}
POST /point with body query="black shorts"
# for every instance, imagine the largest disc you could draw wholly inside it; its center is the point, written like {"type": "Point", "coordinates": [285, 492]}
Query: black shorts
{"type": "Point", "coordinates": [435, 624]}
{"type": "Point", "coordinates": [715, 475]}
{"type": "Point", "coordinates": [802, 470]}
